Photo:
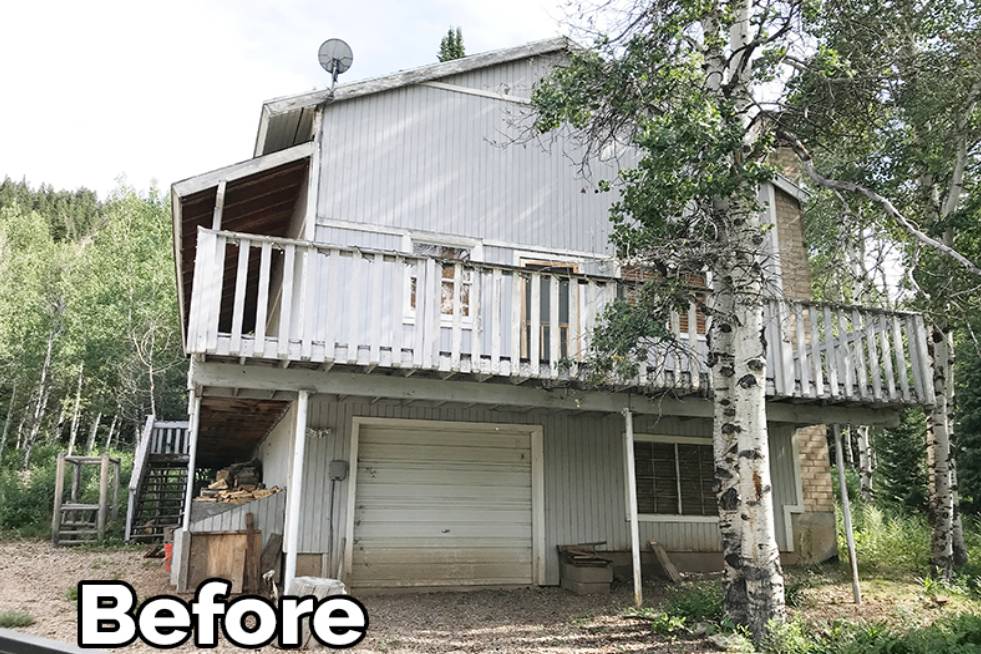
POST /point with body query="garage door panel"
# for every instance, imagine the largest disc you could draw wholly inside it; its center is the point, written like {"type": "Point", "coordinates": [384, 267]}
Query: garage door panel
{"type": "Point", "coordinates": [451, 494]}
{"type": "Point", "coordinates": [507, 440]}
{"type": "Point", "coordinates": [431, 552]}
{"type": "Point", "coordinates": [448, 530]}
{"type": "Point", "coordinates": [388, 542]}
{"type": "Point", "coordinates": [440, 507]}
{"type": "Point", "coordinates": [452, 475]}
{"type": "Point", "coordinates": [436, 453]}
{"type": "Point", "coordinates": [448, 574]}
{"type": "Point", "coordinates": [489, 515]}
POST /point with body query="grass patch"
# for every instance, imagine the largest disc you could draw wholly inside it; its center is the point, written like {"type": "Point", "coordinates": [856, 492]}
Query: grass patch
{"type": "Point", "coordinates": [71, 594]}
{"type": "Point", "coordinates": [949, 635]}
{"type": "Point", "coordinates": [889, 544]}
{"type": "Point", "coordinates": [15, 619]}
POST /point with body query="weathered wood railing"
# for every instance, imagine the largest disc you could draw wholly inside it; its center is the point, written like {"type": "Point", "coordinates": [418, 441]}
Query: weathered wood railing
{"type": "Point", "coordinates": [157, 438]}
{"type": "Point", "coordinates": [272, 298]}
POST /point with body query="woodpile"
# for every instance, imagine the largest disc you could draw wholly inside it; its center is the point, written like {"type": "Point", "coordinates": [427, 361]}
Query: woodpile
{"type": "Point", "coordinates": [237, 484]}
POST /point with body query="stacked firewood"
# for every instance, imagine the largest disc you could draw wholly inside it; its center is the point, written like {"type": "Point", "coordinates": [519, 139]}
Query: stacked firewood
{"type": "Point", "coordinates": [237, 484]}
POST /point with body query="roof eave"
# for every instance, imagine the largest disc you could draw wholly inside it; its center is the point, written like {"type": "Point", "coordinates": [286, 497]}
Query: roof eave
{"type": "Point", "coordinates": [285, 104]}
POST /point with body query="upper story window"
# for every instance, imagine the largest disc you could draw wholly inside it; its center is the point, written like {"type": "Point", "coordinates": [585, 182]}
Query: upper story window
{"type": "Point", "coordinates": [559, 268]}
{"type": "Point", "coordinates": [446, 253]}
{"type": "Point", "coordinates": [696, 281]}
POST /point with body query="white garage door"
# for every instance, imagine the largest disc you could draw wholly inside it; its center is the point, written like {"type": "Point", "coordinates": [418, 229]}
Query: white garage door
{"type": "Point", "coordinates": [438, 506]}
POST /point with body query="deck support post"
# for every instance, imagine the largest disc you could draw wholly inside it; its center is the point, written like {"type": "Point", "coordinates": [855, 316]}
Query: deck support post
{"type": "Point", "coordinates": [294, 485]}
{"type": "Point", "coordinates": [628, 450]}
{"type": "Point", "coordinates": [846, 514]}
{"type": "Point", "coordinates": [194, 419]}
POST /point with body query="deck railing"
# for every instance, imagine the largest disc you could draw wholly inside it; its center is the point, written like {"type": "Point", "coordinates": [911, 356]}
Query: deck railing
{"type": "Point", "coordinates": [272, 298]}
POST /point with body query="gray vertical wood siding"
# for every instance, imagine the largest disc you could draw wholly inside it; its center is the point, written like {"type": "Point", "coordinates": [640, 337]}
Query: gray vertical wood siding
{"type": "Point", "coordinates": [583, 474]}
{"type": "Point", "coordinates": [431, 159]}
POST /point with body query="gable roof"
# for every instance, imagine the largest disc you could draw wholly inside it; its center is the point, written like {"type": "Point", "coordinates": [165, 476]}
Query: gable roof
{"type": "Point", "coordinates": [287, 120]}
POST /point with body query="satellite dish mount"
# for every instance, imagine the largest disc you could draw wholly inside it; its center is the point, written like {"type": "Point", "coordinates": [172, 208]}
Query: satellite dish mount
{"type": "Point", "coordinates": [335, 57]}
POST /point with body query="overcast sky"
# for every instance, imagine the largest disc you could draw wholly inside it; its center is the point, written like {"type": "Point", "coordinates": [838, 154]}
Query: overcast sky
{"type": "Point", "coordinates": [158, 91]}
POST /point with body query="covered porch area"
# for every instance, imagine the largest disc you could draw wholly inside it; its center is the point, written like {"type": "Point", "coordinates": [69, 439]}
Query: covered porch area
{"type": "Point", "coordinates": [548, 467]}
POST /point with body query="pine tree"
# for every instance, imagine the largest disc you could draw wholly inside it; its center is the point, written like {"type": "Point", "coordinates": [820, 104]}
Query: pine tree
{"type": "Point", "coordinates": [902, 474]}
{"type": "Point", "coordinates": [451, 47]}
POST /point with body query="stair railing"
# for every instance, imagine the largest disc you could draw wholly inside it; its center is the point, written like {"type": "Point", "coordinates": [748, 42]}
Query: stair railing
{"type": "Point", "coordinates": [139, 471]}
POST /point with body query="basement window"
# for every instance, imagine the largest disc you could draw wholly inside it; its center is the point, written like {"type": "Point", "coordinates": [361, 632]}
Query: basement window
{"type": "Point", "coordinates": [675, 478]}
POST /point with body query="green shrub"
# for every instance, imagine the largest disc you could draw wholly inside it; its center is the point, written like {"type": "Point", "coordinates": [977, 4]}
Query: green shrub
{"type": "Point", "coordinates": [951, 635]}
{"type": "Point", "coordinates": [27, 497]}
{"type": "Point", "coordinates": [15, 619]}
{"type": "Point", "coordinates": [792, 637]}
{"type": "Point", "coordinates": [696, 602]}
{"type": "Point", "coordinates": [888, 543]}
{"type": "Point", "coordinates": [666, 624]}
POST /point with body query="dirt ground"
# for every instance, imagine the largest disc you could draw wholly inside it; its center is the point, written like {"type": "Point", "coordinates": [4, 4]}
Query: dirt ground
{"type": "Point", "coordinates": [36, 577]}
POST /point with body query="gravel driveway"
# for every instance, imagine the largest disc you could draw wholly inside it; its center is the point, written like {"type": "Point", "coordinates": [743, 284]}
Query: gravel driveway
{"type": "Point", "coordinates": [36, 577]}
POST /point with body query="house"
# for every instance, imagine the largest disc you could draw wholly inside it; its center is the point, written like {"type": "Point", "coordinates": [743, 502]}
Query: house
{"type": "Point", "coordinates": [390, 306]}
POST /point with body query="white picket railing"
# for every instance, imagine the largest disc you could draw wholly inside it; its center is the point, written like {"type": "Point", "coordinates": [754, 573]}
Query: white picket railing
{"type": "Point", "coordinates": [293, 300]}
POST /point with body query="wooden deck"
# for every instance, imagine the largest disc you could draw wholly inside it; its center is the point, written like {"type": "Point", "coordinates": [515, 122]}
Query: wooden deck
{"type": "Point", "coordinates": [275, 299]}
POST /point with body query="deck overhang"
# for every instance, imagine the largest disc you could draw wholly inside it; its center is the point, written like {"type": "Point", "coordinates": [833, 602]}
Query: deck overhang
{"type": "Point", "coordinates": [216, 379]}
{"type": "Point", "coordinates": [258, 196]}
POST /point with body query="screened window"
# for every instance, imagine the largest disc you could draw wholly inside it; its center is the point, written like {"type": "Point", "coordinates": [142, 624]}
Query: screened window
{"type": "Point", "coordinates": [674, 478]}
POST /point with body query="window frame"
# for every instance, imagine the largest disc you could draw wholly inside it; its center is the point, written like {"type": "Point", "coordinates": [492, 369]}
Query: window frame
{"type": "Point", "coordinates": [535, 261]}
{"type": "Point", "coordinates": [665, 517]}
{"type": "Point", "coordinates": [409, 241]}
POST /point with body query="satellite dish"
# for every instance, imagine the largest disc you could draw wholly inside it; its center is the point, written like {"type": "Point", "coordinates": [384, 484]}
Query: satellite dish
{"type": "Point", "coordinates": [335, 57]}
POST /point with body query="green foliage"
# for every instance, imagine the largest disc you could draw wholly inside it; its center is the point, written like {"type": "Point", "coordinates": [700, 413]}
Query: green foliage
{"type": "Point", "coordinates": [949, 635]}
{"type": "Point", "coordinates": [888, 543]}
{"type": "Point", "coordinates": [901, 476]}
{"type": "Point", "coordinates": [791, 637]}
{"type": "Point", "coordinates": [27, 497]}
{"type": "Point", "coordinates": [967, 375]}
{"type": "Point", "coordinates": [685, 607]}
{"type": "Point", "coordinates": [15, 619]}
{"type": "Point", "coordinates": [852, 484]}
{"type": "Point", "coordinates": [451, 46]}
{"type": "Point", "coordinates": [94, 281]}
{"type": "Point", "coordinates": [666, 624]}
{"type": "Point", "coordinates": [696, 602]}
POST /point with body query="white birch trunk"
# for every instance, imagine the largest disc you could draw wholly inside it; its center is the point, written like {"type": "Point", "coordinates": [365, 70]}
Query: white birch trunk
{"type": "Point", "coordinates": [725, 446]}
{"type": "Point", "coordinates": [112, 431]}
{"type": "Point", "coordinates": [44, 389]}
{"type": "Point", "coordinates": [7, 420]}
{"type": "Point", "coordinates": [20, 431]}
{"type": "Point", "coordinates": [759, 552]}
{"type": "Point", "coordinates": [93, 432]}
{"type": "Point", "coordinates": [76, 412]}
{"type": "Point", "coordinates": [725, 441]}
{"type": "Point", "coordinates": [865, 464]}
{"type": "Point", "coordinates": [942, 497]}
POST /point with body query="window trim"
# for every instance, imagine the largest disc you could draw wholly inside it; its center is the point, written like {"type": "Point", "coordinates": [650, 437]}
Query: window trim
{"type": "Point", "coordinates": [664, 517]}
{"type": "Point", "coordinates": [524, 259]}
{"type": "Point", "coordinates": [409, 240]}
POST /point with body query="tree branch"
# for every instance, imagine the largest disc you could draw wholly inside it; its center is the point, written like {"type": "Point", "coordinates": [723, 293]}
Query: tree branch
{"type": "Point", "coordinates": [960, 157]}
{"type": "Point", "coordinates": [852, 187]}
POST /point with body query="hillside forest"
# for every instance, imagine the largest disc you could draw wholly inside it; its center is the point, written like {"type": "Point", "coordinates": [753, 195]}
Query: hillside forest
{"type": "Point", "coordinates": [89, 335]}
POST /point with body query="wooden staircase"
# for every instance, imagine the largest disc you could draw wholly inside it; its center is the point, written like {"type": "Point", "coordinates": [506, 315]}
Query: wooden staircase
{"type": "Point", "coordinates": [158, 485]}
